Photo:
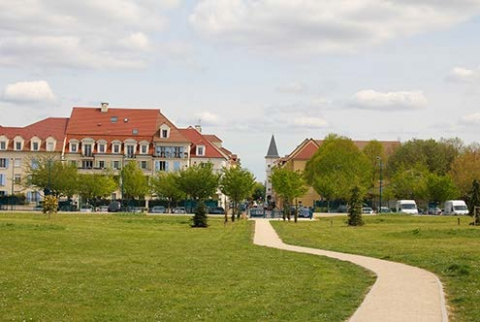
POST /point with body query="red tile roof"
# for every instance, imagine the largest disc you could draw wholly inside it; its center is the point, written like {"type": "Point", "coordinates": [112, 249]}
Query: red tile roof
{"type": "Point", "coordinates": [211, 151]}
{"type": "Point", "coordinates": [87, 121]}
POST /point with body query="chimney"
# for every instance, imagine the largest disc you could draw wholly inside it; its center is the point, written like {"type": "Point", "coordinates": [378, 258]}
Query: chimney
{"type": "Point", "coordinates": [104, 107]}
{"type": "Point", "coordinates": [198, 127]}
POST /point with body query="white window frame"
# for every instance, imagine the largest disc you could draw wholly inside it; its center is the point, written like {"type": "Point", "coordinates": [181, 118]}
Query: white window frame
{"type": "Point", "coordinates": [200, 151]}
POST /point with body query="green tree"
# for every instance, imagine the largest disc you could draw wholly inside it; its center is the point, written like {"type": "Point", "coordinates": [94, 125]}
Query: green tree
{"type": "Point", "coordinates": [237, 184]}
{"type": "Point", "coordinates": [53, 176]}
{"type": "Point", "coordinates": [337, 167]}
{"type": "Point", "coordinates": [95, 186]}
{"type": "Point", "coordinates": [466, 168]}
{"type": "Point", "coordinates": [165, 185]}
{"type": "Point", "coordinates": [199, 183]}
{"type": "Point", "coordinates": [437, 157]}
{"type": "Point", "coordinates": [289, 185]}
{"type": "Point", "coordinates": [409, 183]}
{"type": "Point", "coordinates": [133, 182]}
{"type": "Point", "coordinates": [355, 203]}
{"type": "Point", "coordinates": [439, 188]}
{"type": "Point", "coordinates": [474, 200]}
{"type": "Point", "coordinates": [258, 191]}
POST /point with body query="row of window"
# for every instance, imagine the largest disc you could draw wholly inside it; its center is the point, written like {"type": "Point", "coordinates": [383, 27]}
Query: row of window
{"type": "Point", "coordinates": [130, 150]}
{"type": "Point", "coordinates": [34, 146]}
{"type": "Point", "coordinates": [145, 165]}
{"type": "Point", "coordinates": [5, 163]}
{"type": "Point", "coordinates": [3, 179]}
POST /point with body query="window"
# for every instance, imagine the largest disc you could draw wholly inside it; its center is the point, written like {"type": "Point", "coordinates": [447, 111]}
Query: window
{"type": "Point", "coordinates": [101, 164]}
{"type": "Point", "coordinates": [144, 149]}
{"type": "Point", "coordinates": [130, 151]}
{"type": "Point", "coordinates": [73, 147]}
{"type": "Point", "coordinates": [18, 178]}
{"type": "Point", "coordinates": [177, 152]}
{"type": "Point", "coordinates": [87, 150]}
{"type": "Point", "coordinates": [87, 164]}
{"type": "Point", "coordinates": [3, 163]}
{"type": "Point", "coordinates": [200, 150]}
{"type": "Point", "coordinates": [176, 165]}
{"type": "Point", "coordinates": [18, 146]}
{"type": "Point", "coordinates": [2, 179]}
{"type": "Point", "coordinates": [116, 165]}
{"type": "Point", "coordinates": [161, 166]}
{"type": "Point", "coordinates": [164, 134]}
{"type": "Point", "coordinates": [50, 146]}
{"type": "Point", "coordinates": [17, 163]}
{"type": "Point", "coordinates": [3, 145]}
{"type": "Point", "coordinates": [35, 146]}
{"type": "Point", "coordinates": [101, 148]}
{"type": "Point", "coordinates": [116, 148]}
{"type": "Point", "coordinates": [143, 165]}
{"type": "Point", "coordinates": [114, 119]}
{"type": "Point", "coordinates": [35, 164]}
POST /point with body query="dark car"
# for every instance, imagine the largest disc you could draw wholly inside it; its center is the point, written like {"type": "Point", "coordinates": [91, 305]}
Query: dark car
{"type": "Point", "coordinates": [115, 206]}
{"type": "Point", "coordinates": [158, 210]}
{"type": "Point", "coordinates": [216, 210]}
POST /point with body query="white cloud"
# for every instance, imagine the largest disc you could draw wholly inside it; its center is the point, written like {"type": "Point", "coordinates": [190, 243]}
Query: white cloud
{"type": "Point", "coordinates": [323, 26]}
{"type": "Point", "coordinates": [471, 119]}
{"type": "Point", "coordinates": [207, 118]}
{"type": "Point", "coordinates": [320, 101]}
{"type": "Point", "coordinates": [293, 88]}
{"type": "Point", "coordinates": [310, 122]}
{"type": "Point", "coordinates": [29, 92]}
{"type": "Point", "coordinates": [373, 100]}
{"type": "Point", "coordinates": [464, 75]}
{"type": "Point", "coordinates": [85, 34]}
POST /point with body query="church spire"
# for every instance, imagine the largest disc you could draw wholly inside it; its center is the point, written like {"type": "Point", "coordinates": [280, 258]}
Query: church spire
{"type": "Point", "coordinates": [272, 149]}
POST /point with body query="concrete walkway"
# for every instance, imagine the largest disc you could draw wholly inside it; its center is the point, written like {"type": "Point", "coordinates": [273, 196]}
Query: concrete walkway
{"type": "Point", "coordinates": [401, 293]}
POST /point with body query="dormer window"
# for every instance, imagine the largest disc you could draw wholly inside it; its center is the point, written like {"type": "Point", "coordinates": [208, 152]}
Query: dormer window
{"type": "Point", "coordinates": [164, 131]}
{"type": "Point", "coordinates": [200, 150]}
{"type": "Point", "coordinates": [101, 146]}
{"type": "Point", "coordinates": [18, 146]}
{"type": "Point", "coordinates": [35, 146]}
{"type": "Point", "coordinates": [51, 144]}
{"type": "Point", "coordinates": [3, 145]}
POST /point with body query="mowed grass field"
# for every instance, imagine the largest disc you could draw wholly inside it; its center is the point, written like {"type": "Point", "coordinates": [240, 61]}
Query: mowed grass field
{"type": "Point", "coordinates": [90, 267]}
{"type": "Point", "coordinates": [436, 243]}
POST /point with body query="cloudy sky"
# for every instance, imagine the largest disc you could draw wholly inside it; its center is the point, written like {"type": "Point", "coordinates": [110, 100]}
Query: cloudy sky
{"type": "Point", "coordinates": [248, 69]}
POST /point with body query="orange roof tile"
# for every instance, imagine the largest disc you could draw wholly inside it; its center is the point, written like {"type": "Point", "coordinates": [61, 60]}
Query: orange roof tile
{"type": "Point", "coordinates": [211, 151]}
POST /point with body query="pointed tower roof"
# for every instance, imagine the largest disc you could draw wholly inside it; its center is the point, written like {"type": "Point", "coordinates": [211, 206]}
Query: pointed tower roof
{"type": "Point", "coordinates": [272, 149]}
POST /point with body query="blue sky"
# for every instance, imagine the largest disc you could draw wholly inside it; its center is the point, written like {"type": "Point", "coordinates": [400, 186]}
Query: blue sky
{"type": "Point", "coordinates": [247, 69]}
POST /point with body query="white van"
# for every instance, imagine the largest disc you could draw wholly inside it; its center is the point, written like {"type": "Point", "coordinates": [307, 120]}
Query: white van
{"type": "Point", "coordinates": [407, 207]}
{"type": "Point", "coordinates": [455, 207]}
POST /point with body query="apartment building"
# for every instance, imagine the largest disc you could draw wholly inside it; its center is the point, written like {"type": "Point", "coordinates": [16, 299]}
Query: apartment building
{"type": "Point", "coordinates": [94, 139]}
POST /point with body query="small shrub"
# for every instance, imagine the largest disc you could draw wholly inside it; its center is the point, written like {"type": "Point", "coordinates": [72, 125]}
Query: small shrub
{"type": "Point", "coordinates": [50, 204]}
{"type": "Point", "coordinates": [199, 220]}
{"type": "Point", "coordinates": [355, 208]}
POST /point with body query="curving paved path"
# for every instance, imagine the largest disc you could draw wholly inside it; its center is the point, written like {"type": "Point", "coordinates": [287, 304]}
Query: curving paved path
{"type": "Point", "coordinates": [401, 293]}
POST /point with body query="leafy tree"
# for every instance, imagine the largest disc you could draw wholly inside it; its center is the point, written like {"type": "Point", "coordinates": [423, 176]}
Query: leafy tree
{"type": "Point", "coordinates": [258, 191]}
{"type": "Point", "coordinates": [289, 185]}
{"type": "Point", "coordinates": [165, 185]}
{"type": "Point", "coordinates": [199, 182]}
{"type": "Point", "coordinates": [53, 176]}
{"type": "Point", "coordinates": [409, 183]}
{"type": "Point", "coordinates": [439, 188]}
{"type": "Point", "coordinates": [355, 203]}
{"type": "Point", "coordinates": [237, 184]}
{"type": "Point", "coordinates": [337, 167]}
{"type": "Point", "coordinates": [199, 220]}
{"type": "Point", "coordinates": [95, 186]}
{"type": "Point", "coordinates": [437, 157]}
{"type": "Point", "coordinates": [474, 200]}
{"type": "Point", "coordinates": [466, 168]}
{"type": "Point", "coordinates": [133, 182]}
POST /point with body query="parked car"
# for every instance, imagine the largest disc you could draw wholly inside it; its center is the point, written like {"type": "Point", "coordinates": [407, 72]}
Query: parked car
{"type": "Point", "coordinates": [385, 210]}
{"type": "Point", "coordinates": [86, 208]}
{"type": "Point", "coordinates": [367, 210]}
{"type": "Point", "coordinates": [216, 210]}
{"type": "Point", "coordinates": [305, 212]}
{"type": "Point", "coordinates": [115, 206]}
{"type": "Point", "coordinates": [158, 210]}
{"type": "Point", "coordinates": [434, 211]}
{"type": "Point", "coordinates": [179, 210]}
{"type": "Point", "coordinates": [102, 209]}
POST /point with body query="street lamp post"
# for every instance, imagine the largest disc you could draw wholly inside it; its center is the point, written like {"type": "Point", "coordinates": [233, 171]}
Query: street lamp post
{"type": "Point", "coordinates": [380, 188]}
{"type": "Point", "coordinates": [13, 181]}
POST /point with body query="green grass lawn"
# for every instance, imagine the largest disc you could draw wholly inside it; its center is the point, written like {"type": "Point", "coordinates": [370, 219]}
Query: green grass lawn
{"type": "Point", "coordinates": [437, 244]}
{"type": "Point", "coordinates": [138, 268]}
